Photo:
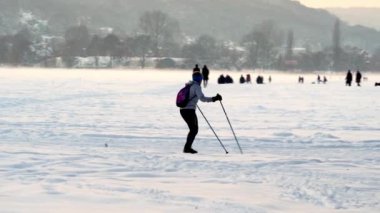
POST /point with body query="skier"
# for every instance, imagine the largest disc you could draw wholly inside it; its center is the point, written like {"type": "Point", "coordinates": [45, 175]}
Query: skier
{"type": "Point", "coordinates": [358, 77]}
{"type": "Point", "coordinates": [188, 112]}
{"type": "Point", "coordinates": [205, 73]}
{"type": "Point", "coordinates": [349, 78]}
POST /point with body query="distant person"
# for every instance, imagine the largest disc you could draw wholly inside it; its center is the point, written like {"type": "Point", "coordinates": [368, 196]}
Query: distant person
{"type": "Point", "coordinates": [188, 112]}
{"type": "Point", "coordinates": [196, 69]}
{"type": "Point", "coordinates": [242, 79]}
{"type": "Point", "coordinates": [229, 80]}
{"type": "Point", "coordinates": [349, 78]}
{"type": "Point", "coordinates": [260, 79]}
{"type": "Point", "coordinates": [319, 79]}
{"type": "Point", "coordinates": [270, 79]}
{"type": "Point", "coordinates": [249, 79]}
{"type": "Point", "coordinates": [358, 78]}
{"type": "Point", "coordinates": [205, 73]}
{"type": "Point", "coordinates": [324, 79]}
{"type": "Point", "coordinates": [300, 79]}
{"type": "Point", "coordinates": [221, 79]}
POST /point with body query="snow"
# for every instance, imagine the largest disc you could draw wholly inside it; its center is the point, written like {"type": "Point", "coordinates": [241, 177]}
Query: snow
{"type": "Point", "coordinates": [111, 141]}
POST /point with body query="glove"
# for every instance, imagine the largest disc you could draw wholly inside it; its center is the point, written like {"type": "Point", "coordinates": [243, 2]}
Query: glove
{"type": "Point", "coordinates": [217, 98]}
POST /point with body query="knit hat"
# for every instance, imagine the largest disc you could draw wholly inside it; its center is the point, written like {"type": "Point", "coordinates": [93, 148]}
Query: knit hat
{"type": "Point", "coordinates": [197, 77]}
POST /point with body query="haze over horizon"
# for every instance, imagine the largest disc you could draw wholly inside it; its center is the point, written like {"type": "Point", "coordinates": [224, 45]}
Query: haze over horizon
{"type": "Point", "coordinates": [341, 3]}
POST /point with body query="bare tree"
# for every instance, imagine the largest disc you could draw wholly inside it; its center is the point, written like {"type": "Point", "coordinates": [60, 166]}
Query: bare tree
{"type": "Point", "coordinates": [337, 50]}
{"type": "Point", "coordinates": [139, 46]}
{"type": "Point", "coordinates": [203, 50]}
{"type": "Point", "coordinates": [94, 49]}
{"type": "Point", "coordinates": [261, 45]}
{"type": "Point", "coordinates": [289, 45]}
{"type": "Point", "coordinates": [77, 39]}
{"type": "Point", "coordinates": [20, 47]}
{"type": "Point", "coordinates": [5, 48]}
{"type": "Point", "coordinates": [112, 46]}
{"type": "Point", "coordinates": [160, 28]}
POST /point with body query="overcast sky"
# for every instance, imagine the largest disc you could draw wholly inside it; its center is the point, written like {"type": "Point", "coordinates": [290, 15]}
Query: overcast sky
{"type": "Point", "coordinates": [341, 3]}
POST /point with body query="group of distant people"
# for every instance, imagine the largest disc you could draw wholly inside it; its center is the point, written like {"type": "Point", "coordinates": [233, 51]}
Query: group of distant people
{"type": "Point", "coordinates": [260, 79]}
{"type": "Point", "coordinates": [349, 78]}
{"type": "Point", "coordinates": [225, 79]}
{"type": "Point", "coordinates": [301, 80]}
{"type": "Point", "coordinates": [205, 73]}
{"type": "Point", "coordinates": [319, 80]}
{"type": "Point", "coordinates": [245, 80]}
{"type": "Point", "coordinates": [228, 80]}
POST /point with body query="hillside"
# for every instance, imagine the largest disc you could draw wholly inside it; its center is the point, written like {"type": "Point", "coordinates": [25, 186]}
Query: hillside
{"type": "Point", "coordinates": [221, 18]}
{"type": "Point", "coordinates": [369, 17]}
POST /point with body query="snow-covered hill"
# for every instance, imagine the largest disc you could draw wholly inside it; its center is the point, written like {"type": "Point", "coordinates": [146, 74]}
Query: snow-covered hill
{"type": "Point", "coordinates": [223, 19]}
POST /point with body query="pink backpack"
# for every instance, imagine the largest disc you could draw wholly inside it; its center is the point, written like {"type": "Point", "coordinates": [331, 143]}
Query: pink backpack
{"type": "Point", "coordinates": [183, 96]}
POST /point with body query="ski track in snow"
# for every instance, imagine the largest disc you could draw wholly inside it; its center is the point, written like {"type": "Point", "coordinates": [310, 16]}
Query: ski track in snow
{"type": "Point", "coordinates": [307, 147]}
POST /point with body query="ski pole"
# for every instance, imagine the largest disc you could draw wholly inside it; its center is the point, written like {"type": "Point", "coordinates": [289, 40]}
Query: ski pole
{"type": "Point", "coordinates": [213, 130]}
{"type": "Point", "coordinates": [241, 151]}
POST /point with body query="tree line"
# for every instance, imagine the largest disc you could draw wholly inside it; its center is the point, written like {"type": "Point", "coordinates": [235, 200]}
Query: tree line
{"type": "Point", "coordinates": [159, 37]}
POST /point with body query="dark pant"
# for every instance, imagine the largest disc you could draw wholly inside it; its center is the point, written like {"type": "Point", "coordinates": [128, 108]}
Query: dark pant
{"type": "Point", "coordinates": [192, 122]}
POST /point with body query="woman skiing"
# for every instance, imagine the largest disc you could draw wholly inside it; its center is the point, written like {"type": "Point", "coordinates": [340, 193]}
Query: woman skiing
{"type": "Point", "coordinates": [188, 112]}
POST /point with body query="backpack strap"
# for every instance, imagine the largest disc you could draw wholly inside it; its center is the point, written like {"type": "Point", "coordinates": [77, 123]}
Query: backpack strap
{"type": "Point", "coordinates": [195, 95]}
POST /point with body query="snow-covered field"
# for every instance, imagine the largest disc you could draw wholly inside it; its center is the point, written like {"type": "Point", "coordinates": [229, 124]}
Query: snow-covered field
{"type": "Point", "coordinates": [308, 148]}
